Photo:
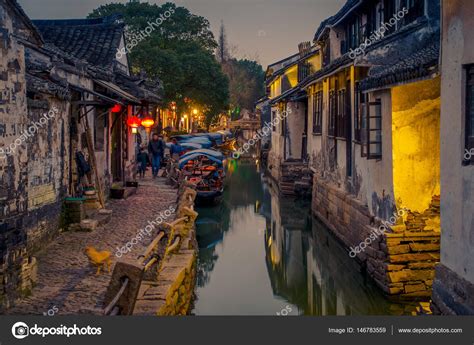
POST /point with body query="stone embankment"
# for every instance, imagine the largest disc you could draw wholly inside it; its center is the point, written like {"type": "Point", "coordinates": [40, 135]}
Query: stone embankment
{"type": "Point", "coordinates": [162, 280]}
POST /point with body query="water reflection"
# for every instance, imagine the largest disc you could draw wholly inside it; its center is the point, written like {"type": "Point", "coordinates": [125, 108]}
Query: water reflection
{"type": "Point", "coordinates": [260, 253]}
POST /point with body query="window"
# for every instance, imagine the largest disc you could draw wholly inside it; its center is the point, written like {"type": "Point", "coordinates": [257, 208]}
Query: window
{"type": "Point", "coordinates": [353, 34]}
{"type": "Point", "coordinates": [416, 9]}
{"type": "Point", "coordinates": [332, 113]}
{"type": "Point", "coordinates": [317, 112]}
{"type": "Point", "coordinates": [389, 8]}
{"type": "Point", "coordinates": [99, 131]}
{"type": "Point", "coordinates": [374, 130]}
{"type": "Point", "coordinates": [341, 122]}
{"type": "Point", "coordinates": [358, 112]}
{"type": "Point", "coordinates": [469, 114]}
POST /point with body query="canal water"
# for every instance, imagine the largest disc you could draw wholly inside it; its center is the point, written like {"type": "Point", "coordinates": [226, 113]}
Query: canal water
{"type": "Point", "coordinates": [260, 254]}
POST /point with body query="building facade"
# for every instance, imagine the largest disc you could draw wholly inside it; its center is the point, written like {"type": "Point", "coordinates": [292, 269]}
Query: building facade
{"type": "Point", "coordinates": [373, 137]}
{"type": "Point", "coordinates": [453, 287]}
{"type": "Point", "coordinates": [61, 110]}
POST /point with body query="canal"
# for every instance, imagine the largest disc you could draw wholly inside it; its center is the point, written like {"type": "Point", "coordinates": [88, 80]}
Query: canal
{"type": "Point", "coordinates": [260, 254]}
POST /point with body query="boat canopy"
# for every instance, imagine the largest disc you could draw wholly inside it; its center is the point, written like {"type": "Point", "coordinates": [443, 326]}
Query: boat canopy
{"type": "Point", "coordinates": [214, 153]}
{"type": "Point", "coordinates": [189, 157]}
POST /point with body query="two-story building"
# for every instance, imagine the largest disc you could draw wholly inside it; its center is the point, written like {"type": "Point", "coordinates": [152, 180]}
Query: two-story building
{"type": "Point", "coordinates": [288, 156]}
{"type": "Point", "coordinates": [374, 147]}
{"type": "Point", "coordinates": [367, 119]}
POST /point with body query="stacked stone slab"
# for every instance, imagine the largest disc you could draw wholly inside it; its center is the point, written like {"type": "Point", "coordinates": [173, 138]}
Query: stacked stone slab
{"type": "Point", "coordinates": [401, 260]}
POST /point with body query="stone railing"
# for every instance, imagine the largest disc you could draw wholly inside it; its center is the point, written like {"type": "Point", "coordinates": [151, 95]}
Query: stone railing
{"type": "Point", "coordinates": [161, 281]}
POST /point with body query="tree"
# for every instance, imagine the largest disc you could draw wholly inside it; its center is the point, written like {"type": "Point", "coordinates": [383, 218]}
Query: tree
{"type": "Point", "coordinates": [222, 52]}
{"type": "Point", "coordinates": [179, 51]}
{"type": "Point", "coordinates": [246, 77]}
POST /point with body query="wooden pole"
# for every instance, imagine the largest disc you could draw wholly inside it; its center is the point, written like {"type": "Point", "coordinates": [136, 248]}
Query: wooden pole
{"type": "Point", "coordinates": [90, 148]}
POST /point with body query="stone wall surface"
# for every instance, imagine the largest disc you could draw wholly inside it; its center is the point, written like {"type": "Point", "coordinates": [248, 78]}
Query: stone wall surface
{"type": "Point", "coordinates": [401, 259]}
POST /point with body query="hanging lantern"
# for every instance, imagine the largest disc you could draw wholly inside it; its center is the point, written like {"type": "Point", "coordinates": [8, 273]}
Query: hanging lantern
{"type": "Point", "coordinates": [148, 122]}
{"type": "Point", "coordinates": [133, 122]}
{"type": "Point", "coordinates": [116, 108]}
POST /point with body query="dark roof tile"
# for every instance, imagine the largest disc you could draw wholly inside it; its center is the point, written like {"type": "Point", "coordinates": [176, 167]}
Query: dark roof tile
{"type": "Point", "coordinates": [93, 40]}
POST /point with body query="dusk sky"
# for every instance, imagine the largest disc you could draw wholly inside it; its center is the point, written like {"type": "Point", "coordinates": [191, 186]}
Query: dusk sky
{"type": "Point", "coordinates": [265, 30]}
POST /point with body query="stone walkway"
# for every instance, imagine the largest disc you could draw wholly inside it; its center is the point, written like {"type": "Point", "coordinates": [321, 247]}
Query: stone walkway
{"type": "Point", "coordinates": [66, 281]}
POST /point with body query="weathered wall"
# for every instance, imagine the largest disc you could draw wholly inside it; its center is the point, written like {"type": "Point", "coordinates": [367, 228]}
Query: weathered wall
{"type": "Point", "coordinates": [416, 143]}
{"type": "Point", "coordinates": [13, 176]}
{"type": "Point", "coordinates": [294, 129]}
{"type": "Point", "coordinates": [454, 284]}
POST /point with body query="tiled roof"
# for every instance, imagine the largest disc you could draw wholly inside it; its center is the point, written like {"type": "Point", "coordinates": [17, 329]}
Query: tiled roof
{"type": "Point", "coordinates": [93, 40]}
{"type": "Point", "coordinates": [420, 64]}
{"type": "Point", "coordinates": [348, 6]}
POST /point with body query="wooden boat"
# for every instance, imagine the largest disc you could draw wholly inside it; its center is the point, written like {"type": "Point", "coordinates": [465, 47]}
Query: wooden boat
{"type": "Point", "coordinates": [205, 170]}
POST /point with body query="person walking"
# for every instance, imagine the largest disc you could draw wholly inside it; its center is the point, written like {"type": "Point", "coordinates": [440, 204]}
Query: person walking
{"type": "Point", "coordinates": [156, 149]}
{"type": "Point", "coordinates": [142, 159]}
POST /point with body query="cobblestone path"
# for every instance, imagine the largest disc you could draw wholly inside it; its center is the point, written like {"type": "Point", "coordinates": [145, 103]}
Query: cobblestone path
{"type": "Point", "coordinates": [67, 281]}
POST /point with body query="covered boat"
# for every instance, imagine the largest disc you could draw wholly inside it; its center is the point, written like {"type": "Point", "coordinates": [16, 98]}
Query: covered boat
{"type": "Point", "coordinates": [206, 171]}
{"type": "Point", "coordinates": [214, 153]}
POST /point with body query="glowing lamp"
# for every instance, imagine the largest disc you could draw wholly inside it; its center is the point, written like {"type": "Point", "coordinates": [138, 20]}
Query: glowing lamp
{"type": "Point", "coordinates": [133, 122]}
{"type": "Point", "coordinates": [148, 122]}
{"type": "Point", "coordinates": [195, 111]}
{"type": "Point", "coordinates": [116, 108]}
{"type": "Point", "coordinates": [134, 130]}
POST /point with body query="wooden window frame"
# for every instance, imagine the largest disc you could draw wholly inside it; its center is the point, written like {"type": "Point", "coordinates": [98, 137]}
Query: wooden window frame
{"type": "Point", "coordinates": [370, 129]}
{"type": "Point", "coordinates": [416, 9]}
{"type": "Point", "coordinates": [317, 112]}
{"type": "Point", "coordinates": [332, 113]}
{"type": "Point", "coordinates": [341, 116]}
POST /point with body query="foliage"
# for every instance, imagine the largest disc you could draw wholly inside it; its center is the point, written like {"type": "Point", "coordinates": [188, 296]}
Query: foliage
{"type": "Point", "coordinates": [246, 78]}
{"type": "Point", "coordinates": [179, 52]}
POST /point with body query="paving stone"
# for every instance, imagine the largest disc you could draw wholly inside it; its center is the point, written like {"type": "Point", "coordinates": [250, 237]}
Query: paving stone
{"type": "Point", "coordinates": [66, 279]}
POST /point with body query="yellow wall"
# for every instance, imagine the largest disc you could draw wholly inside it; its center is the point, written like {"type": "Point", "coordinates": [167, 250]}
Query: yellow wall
{"type": "Point", "coordinates": [315, 62]}
{"type": "Point", "coordinates": [275, 88]}
{"type": "Point", "coordinates": [416, 143]}
{"type": "Point", "coordinates": [291, 75]}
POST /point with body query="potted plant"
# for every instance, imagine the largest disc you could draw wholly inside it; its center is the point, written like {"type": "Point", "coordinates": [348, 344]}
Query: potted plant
{"type": "Point", "coordinates": [117, 191]}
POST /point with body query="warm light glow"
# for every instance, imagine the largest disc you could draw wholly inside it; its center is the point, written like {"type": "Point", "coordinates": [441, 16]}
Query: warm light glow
{"type": "Point", "coordinates": [134, 130]}
{"type": "Point", "coordinates": [416, 143]}
{"type": "Point", "coordinates": [185, 116]}
{"type": "Point", "coordinates": [133, 122]}
{"type": "Point", "coordinates": [116, 108]}
{"type": "Point", "coordinates": [195, 111]}
{"type": "Point", "coordinates": [148, 122]}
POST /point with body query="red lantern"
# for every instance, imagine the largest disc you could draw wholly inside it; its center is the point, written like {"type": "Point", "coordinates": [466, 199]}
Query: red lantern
{"type": "Point", "coordinates": [116, 108]}
{"type": "Point", "coordinates": [133, 122]}
{"type": "Point", "coordinates": [148, 122]}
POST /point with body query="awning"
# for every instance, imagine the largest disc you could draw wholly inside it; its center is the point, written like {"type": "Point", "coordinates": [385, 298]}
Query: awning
{"type": "Point", "coordinates": [95, 93]}
{"type": "Point", "coordinates": [117, 91]}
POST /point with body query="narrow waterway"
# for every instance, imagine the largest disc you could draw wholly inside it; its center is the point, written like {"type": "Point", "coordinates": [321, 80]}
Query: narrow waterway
{"type": "Point", "coordinates": [265, 255]}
